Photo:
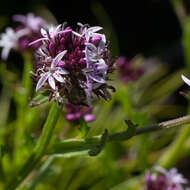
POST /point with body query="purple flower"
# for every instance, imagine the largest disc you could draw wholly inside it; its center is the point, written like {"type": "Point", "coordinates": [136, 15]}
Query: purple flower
{"type": "Point", "coordinates": [74, 113]}
{"type": "Point", "coordinates": [86, 60]}
{"type": "Point", "coordinates": [127, 70]}
{"type": "Point", "coordinates": [18, 39]}
{"type": "Point", "coordinates": [165, 180]}
{"type": "Point", "coordinates": [53, 72]}
{"type": "Point", "coordinates": [10, 40]}
{"type": "Point", "coordinates": [30, 21]}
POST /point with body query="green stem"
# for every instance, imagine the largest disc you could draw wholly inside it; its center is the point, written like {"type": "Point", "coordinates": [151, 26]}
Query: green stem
{"type": "Point", "coordinates": [173, 152]}
{"type": "Point", "coordinates": [75, 145]}
{"type": "Point", "coordinates": [41, 173]}
{"type": "Point", "coordinates": [179, 8]}
{"type": "Point", "coordinates": [39, 150]}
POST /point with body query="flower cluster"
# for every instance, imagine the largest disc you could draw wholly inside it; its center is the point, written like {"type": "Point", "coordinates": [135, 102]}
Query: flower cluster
{"type": "Point", "coordinates": [127, 70]}
{"type": "Point", "coordinates": [74, 113]}
{"type": "Point", "coordinates": [165, 180]}
{"type": "Point", "coordinates": [19, 38]}
{"type": "Point", "coordinates": [73, 64]}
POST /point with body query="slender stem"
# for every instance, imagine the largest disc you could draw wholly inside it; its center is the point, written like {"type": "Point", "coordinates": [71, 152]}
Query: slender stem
{"type": "Point", "coordinates": [175, 150]}
{"type": "Point", "coordinates": [75, 145]}
{"type": "Point", "coordinates": [179, 8]}
{"type": "Point", "coordinates": [41, 173]}
{"type": "Point", "coordinates": [39, 150]}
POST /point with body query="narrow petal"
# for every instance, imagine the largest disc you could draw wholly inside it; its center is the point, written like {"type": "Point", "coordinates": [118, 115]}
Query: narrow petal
{"type": "Point", "coordinates": [185, 79]}
{"type": "Point", "coordinates": [58, 77]}
{"type": "Point", "coordinates": [101, 65]}
{"type": "Point", "coordinates": [58, 58]}
{"type": "Point", "coordinates": [62, 71]}
{"type": "Point", "coordinates": [42, 81]}
{"type": "Point", "coordinates": [77, 34]}
{"type": "Point", "coordinates": [36, 41]}
{"type": "Point", "coordinates": [65, 31]}
{"type": "Point", "coordinates": [51, 82]}
{"type": "Point", "coordinates": [43, 32]}
{"type": "Point", "coordinates": [97, 79]}
{"type": "Point", "coordinates": [95, 28]}
{"type": "Point", "coordinates": [58, 28]}
{"type": "Point", "coordinates": [91, 46]}
{"type": "Point", "coordinates": [102, 43]}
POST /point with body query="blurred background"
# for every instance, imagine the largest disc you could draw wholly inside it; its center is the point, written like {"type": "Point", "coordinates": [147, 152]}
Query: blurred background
{"type": "Point", "coordinates": [151, 34]}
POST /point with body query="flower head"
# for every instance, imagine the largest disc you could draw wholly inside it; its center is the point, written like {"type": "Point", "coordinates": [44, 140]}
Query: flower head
{"type": "Point", "coordinates": [30, 21]}
{"type": "Point", "coordinates": [127, 70]}
{"type": "Point", "coordinates": [83, 60]}
{"type": "Point", "coordinates": [18, 39]}
{"type": "Point", "coordinates": [165, 180]}
{"type": "Point", "coordinates": [10, 39]}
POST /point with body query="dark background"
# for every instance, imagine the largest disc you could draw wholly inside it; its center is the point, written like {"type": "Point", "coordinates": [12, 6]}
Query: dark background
{"type": "Point", "coordinates": [149, 27]}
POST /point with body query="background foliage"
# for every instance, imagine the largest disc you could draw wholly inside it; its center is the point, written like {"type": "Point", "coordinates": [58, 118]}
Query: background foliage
{"type": "Point", "coordinates": [157, 33]}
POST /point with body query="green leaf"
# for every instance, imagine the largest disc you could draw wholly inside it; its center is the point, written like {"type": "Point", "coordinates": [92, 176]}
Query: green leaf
{"type": "Point", "coordinates": [95, 151]}
{"type": "Point", "coordinates": [40, 98]}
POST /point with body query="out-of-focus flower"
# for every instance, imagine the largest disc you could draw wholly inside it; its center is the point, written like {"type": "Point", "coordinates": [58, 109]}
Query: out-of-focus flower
{"type": "Point", "coordinates": [10, 39]}
{"type": "Point", "coordinates": [185, 79]}
{"type": "Point", "coordinates": [165, 180]}
{"type": "Point", "coordinates": [30, 21]}
{"type": "Point", "coordinates": [86, 63]}
{"type": "Point", "coordinates": [127, 70]}
{"type": "Point", "coordinates": [18, 39]}
{"type": "Point", "coordinates": [74, 113]}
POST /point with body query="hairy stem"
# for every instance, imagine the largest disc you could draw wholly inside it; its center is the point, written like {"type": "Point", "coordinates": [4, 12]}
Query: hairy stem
{"type": "Point", "coordinates": [75, 145]}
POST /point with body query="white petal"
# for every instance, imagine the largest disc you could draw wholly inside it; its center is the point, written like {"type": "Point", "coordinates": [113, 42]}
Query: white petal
{"type": "Point", "coordinates": [58, 58]}
{"type": "Point", "coordinates": [43, 32]}
{"type": "Point", "coordinates": [77, 34]}
{"type": "Point", "coordinates": [58, 28]}
{"type": "Point", "coordinates": [103, 37]}
{"type": "Point", "coordinates": [42, 80]}
{"type": "Point", "coordinates": [101, 65]}
{"type": "Point", "coordinates": [97, 79]}
{"type": "Point", "coordinates": [80, 24]}
{"type": "Point", "coordinates": [51, 82]}
{"type": "Point", "coordinates": [58, 77]}
{"type": "Point", "coordinates": [95, 28]}
{"type": "Point", "coordinates": [62, 71]}
{"type": "Point", "coordinates": [185, 79]}
{"type": "Point", "coordinates": [36, 41]}
{"type": "Point", "coordinates": [101, 45]}
{"type": "Point", "coordinates": [91, 46]}
{"type": "Point", "coordinates": [5, 53]}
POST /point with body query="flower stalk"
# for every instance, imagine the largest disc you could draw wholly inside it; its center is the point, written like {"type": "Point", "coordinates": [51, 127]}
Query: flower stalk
{"type": "Point", "coordinates": [75, 145]}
